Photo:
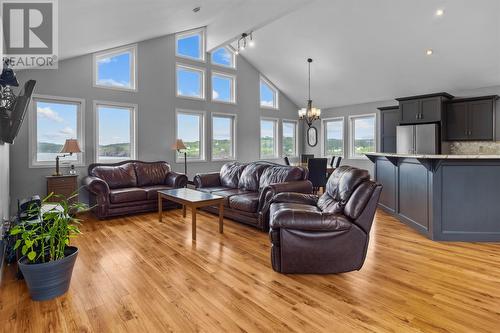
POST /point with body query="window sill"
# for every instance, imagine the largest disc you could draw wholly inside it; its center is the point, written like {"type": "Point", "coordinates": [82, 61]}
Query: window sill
{"type": "Point", "coordinates": [181, 161]}
{"type": "Point", "coordinates": [115, 88]}
{"type": "Point", "coordinates": [223, 102]}
{"type": "Point", "coordinates": [191, 97]}
{"type": "Point", "coordinates": [269, 108]}
{"type": "Point", "coordinates": [202, 60]}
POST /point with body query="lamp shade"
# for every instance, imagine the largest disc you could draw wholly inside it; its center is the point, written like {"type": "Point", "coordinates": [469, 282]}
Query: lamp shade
{"type": "Point", "coordinates": [71, 146]}
{"type": "Point", "coordinates": [178, 145]}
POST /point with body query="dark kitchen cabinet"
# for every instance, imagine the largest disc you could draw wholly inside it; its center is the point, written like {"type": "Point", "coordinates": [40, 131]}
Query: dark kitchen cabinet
{"type": "Point", "coordinates": [389, 120]}
{"type": "Point", "coordinates": [422, 109]}
{"type": "Point", "coordinates": [470, 119]}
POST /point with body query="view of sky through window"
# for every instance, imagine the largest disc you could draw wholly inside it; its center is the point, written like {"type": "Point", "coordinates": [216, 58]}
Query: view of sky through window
{"type": "Point", "coordinates": [364, 135]}
{"type": "Point", "coordinates": [222, 137]}
{"type": "Point", "coordinates": [114, 133]}
{"type": "Point", "coordinates": [189, 82]}
{"type": "Point", "coordinates": [221, 88]}
{"type": "Point", "coordinates": [56, 122]}
{"type": "Point", "coordinates": [222, 56]}
{"type": "Point", "coordinates": [189, 46]}
{"type": "Point", "coordinates": [267, 95]}
{"type": "Point", "coordinates": [334, 138]}
{"type": "Point", "coordinates": [188, 129]}
{"type": "Point", "coordinates": [115, 71]}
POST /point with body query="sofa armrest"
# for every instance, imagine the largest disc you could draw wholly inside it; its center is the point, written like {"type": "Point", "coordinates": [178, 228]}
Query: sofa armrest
{"type": "Point", "coordinates": [207, 180]}
{"type": "Point", "coordinates": [294, 197]}
{"type": "Point", "coordinates": [268, 192]}
{"type": "Point", "coordinates": [176, 180]}
{"type": "Point", "coordinates": [96, 186]}
{"type": "Point", "coordinates": [309, 221]}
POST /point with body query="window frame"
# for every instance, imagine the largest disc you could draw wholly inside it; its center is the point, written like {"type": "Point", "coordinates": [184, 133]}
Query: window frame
{"type": "Point", "coordinates": [233, 87]}
{"type": "Point", "coordinates": [352, 154]}
{"type": "Point", "coordinates": [202, 81]}
{"type": "Point", "coordinates": [276, 138]}
{"type": "Point", "coordinates": [323, 135]}
{"type": "Point", "coordinates": [296, 124]}
{"type": "Point", "coordinates": [274, 89]}
{"type": "Point", "coordinates": [233, 57]}
{"type": "Point", "coordinates": [202, 133]}
{"type": "Point", "coordinates": [133, 129]}
{"type": "Point", "coordinates": [114, 52]}
{"type": "Point", "coordinates": [184, 34]}
{"type": "Point", "coordinates": [33, 137]}
{"type": "Point", "coordinates": [233, 134]}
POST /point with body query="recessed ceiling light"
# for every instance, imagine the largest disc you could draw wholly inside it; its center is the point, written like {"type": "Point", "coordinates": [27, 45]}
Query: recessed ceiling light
{"type": "Point", "coordinates": [429, 52]}
{"type": "Point", "coordinates": [439, 12]}
{"type": "Point", "coordinates": [196, 9]}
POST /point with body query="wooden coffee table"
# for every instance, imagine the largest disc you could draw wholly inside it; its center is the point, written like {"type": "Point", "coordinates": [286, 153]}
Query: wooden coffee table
{"type": "Point", "coordinates": [194, 199]}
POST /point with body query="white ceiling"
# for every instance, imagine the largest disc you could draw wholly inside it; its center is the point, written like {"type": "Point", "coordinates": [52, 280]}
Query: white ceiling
{"type": "Point", "coordinates": [367, 50]}
{"type": "Point", "coordinates": [86, 26]}
{"type": "Point", "coordinates": [363, 50]}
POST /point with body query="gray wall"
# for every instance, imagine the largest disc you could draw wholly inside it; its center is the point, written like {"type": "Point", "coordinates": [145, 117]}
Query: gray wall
{"type": "Point", "coordinates": [156, 111]}
{"type": "Point", "coordinates": [357, 109]}
{"type": "Point", "coordinates": [4, 182]}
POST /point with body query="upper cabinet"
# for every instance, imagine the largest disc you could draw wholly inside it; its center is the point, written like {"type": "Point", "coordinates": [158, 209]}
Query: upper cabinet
{"type": "Point", "coordinates": [470, 119]}
{"type": "Point", "coordinates": [422, 109]}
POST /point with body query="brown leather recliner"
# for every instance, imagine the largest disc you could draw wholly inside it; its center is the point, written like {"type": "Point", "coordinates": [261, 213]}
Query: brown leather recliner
{"type": "Point", "coordinates": [249, 188]}
{"type": "Point", "coordinates": [328, 234]}
{"type": "Point", "coordinates": [129, 187]}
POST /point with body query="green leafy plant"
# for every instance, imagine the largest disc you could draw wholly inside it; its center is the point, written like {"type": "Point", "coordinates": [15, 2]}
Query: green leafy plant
{"type": "Point", "coordinates": [45, 239]}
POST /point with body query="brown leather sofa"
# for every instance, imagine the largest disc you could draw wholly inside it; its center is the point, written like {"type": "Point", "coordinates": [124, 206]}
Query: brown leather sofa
{"type": "Point", "coordinates": [328, 234]}
{"type": "Point", "coordinates": [249, 187]}
{"type": "Point", "coordinates": [129, 187]}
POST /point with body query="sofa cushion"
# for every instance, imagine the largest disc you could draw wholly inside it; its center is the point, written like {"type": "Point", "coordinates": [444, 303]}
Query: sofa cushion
{"type": "Point", "coordinates": [119, 176]}
{"type": "Point", "coordinates": [127, 194]}
{"type": "Point", "coordinates": [151, 173]}
{"type": "Point", "coordinates": [249, 179]}
{"type": "Point", "coordinates": [212, 189]}
{"type": "Point", "coordinates": [152, 191]}
{"type": "Point", "coordinates": [228, 193]}
{"type": "Point", "coordinates": [245, 202]}
{"type": "Point", "coordinates": [230, 174]}
{"type": "Point", "coordinates": [280, 174]}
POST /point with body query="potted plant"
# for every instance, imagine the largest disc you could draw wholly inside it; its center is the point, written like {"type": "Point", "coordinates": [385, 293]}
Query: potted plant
{"type": "Point", "coordinates": [48, 259]}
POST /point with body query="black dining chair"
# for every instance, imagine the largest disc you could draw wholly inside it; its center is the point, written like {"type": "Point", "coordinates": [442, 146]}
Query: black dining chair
{"type": "Point", "coordinates": [305, 157]}
{"type": "Point", "coordinates": [335, 162]}
{"type": "Point", "coordinates": [317, 172]}
{"type": "Point", "coordinates": [287, 161]}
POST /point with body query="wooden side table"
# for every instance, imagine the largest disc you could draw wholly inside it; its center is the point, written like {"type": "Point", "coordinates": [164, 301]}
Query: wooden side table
{"type": "Point", "coordinates": [65, 186]}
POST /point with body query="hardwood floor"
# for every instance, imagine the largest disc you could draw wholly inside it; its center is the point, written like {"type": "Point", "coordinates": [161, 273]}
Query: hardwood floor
{"type": "Point", "coordinates": [135, 274]}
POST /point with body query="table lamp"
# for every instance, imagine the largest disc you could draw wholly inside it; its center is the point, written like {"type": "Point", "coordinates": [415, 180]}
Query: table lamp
{"type": "Point", "coordinates": [179, 145]}
{"type": "Point", "coordinates": [70, 146]}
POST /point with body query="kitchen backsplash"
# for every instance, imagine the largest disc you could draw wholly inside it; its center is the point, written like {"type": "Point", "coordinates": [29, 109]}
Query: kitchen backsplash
{"type": "Point", "coordinates": [474, 147]}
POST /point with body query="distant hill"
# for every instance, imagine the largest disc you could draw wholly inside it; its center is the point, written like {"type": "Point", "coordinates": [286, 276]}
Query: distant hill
{"type": "Point", "coordinates": [115, 150]}
{"type": "Point", "coordinates": [46, 147]}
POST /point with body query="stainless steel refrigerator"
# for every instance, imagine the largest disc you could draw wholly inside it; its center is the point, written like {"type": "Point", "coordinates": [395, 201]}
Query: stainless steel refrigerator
{"type": "Point", "coordinates": [418, 139]}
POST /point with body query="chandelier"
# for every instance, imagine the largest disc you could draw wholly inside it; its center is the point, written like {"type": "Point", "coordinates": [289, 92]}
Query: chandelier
{"type": "Point", "coordinates": [310, 113]}
{"type": "Point", "coordinates": [244, 40]}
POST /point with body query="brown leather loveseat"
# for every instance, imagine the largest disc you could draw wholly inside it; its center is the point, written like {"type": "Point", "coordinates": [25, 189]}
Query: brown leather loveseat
{"type": "Point", "coordinates": [129, 187]}
{"type": "Point", "coordinates": [328, 234]}
{"type": "Point", "coordinates": [249, 187]}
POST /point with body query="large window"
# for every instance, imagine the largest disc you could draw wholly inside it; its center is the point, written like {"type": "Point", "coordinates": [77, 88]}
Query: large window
{"type": "Point", "coordinates": [333, 137]}
{"type": "Point", "coordinates": [115, 125]}
{"type": "Point", "coordinates": [224, 56]}
{"type": "Point", "coordinates": [223, 136]}
{"type": "Point", "coordinates": [363, 135]}
{"type": "Point", "coordinates": [268, 94]}
{"type": "Point", "coordinates": [191, 44]}
{"type": "Point", "coordinates": [223, 88]}
{"type": "Point", "coordinates": [52, 121]}
{"type": "Point", "coordinates": [190, 127]}
{"type": "Point", "coordinates": [289, 140]}
{"type": "Point", "coordinates": [268, 138]}
{"type": "Point", "coordinates": [116, 68]}
{"type": "Point", "coordinates": [190, 82]}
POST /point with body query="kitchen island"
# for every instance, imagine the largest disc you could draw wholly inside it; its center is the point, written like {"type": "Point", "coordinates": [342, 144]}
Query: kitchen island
{"type": "Point", "coordinates": [444, 197]}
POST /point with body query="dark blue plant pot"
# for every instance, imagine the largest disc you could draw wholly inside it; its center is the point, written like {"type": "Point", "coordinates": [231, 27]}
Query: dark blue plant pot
{"type": "Point", "coordinates": [51, 279]}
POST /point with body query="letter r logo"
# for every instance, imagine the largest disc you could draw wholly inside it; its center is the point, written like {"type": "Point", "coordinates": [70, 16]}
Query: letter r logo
{"type": "Point", "coordinates": [28, 27]}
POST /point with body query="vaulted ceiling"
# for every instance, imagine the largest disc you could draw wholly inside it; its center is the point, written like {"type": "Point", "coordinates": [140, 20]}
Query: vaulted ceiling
{"type": "Point", "coordinates": [363, 50]}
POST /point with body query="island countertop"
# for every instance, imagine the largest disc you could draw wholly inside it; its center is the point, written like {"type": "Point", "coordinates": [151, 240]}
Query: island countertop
{"type": "Point", "coordinates": [436, 157]}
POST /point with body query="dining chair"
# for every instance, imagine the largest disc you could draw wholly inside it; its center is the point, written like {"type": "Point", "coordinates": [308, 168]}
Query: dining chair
{"type": "Point", "coordinates": [335, 162]}
{"type": "Point", "coordinates": [317, 172]}
{"type": "Point", "coordinates": [287, 161]}
{"type": "Point", "coordinates": [305, 157]}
